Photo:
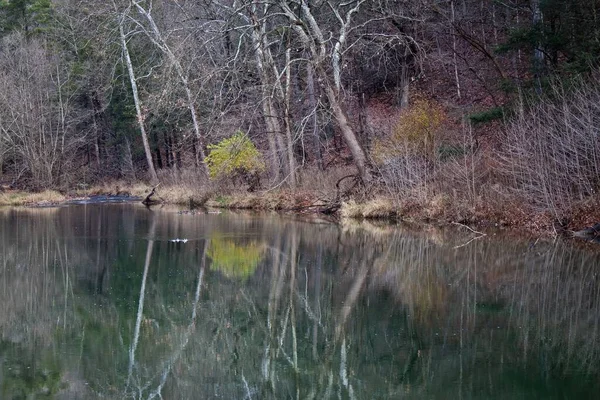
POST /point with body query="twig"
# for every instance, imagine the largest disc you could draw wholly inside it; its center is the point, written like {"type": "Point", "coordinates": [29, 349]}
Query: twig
{"type": "Point", "coordinates": [481, 234]}
{"type": "Point", "coordinates": [469, 228]}
{"type": "Point", "coordinates": [465, 244]}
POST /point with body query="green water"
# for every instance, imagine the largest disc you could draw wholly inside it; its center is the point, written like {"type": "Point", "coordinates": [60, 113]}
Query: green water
{"type": "Point", "coordinates": [97, 301]}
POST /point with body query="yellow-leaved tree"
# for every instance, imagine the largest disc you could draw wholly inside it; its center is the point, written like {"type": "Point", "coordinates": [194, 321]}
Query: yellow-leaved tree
{"type": "Point", "coordinates": [234, 156]}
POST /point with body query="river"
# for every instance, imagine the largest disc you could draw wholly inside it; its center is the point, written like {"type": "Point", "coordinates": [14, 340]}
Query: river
{"type": "Point", "coordinates": [118, 301]}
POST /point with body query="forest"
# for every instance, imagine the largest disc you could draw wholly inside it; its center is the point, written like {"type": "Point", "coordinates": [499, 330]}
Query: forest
{"type": "Point", "coordinates": [456, 110]}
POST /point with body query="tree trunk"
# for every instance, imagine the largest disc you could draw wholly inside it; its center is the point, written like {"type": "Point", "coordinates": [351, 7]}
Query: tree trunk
{"type": "Point", "coordinates": [358, 154]}
{"type": "Point", "coordinates": [311, 35]}
{"type": "Point", "coordinates": [362, 118]}
{"type": "Point", "coordinates": [456, 77]}
{"type": "Point", "coordinates": [538, 52]}
{"type": "Point", "coordinates": [159, 161]}
{"type": "Point", "coordinates": [287, 118]}
{"type": "Point", "coordinates": [273, 129]}
{"type": "Point", "coordinates": [138, 109]}
{"type": "Point", "coordinates": [312, 102]}
{"type": "Point", "coordinates": [168, 154]}
{"type": "Point", "coordinates": [270, 114]}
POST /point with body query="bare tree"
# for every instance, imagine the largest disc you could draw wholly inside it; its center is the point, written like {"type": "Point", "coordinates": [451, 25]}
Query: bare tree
{"type": "Point", "coordinates": [326, 57]}
{"type": "Point", "coordinates": [158, 38]}
{"type": "Point", "coordinates": [134, 91]}
{"type": "Point", "coordinates": [37, 110]}
{"type": "Point", "coordinates": [256, 22]}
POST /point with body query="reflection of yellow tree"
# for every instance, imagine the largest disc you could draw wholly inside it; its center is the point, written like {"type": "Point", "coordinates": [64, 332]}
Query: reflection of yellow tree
{"type": "Point", "coordinates": [235, 260]}
{"type": "Point", "coordinates": [427, 296]}
{"type": "Point", "coordinates": [418, 284]}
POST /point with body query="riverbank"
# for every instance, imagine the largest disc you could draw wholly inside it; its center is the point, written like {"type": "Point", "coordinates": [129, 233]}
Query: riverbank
{"type": "Point", "coordinates": [441, 209]}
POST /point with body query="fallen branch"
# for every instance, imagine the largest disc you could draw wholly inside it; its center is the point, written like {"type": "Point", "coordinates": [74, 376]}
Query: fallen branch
{"type": "Point", "coordinates": [465, 244]}
{"type": "Point", "coordinates": [481, 234]}
{"type": "Point", "coordinates": [469, 228]}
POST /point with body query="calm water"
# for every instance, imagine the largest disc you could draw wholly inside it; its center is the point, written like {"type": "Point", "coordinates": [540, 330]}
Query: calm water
{"type": "Point", "coordinates": [97, 301]}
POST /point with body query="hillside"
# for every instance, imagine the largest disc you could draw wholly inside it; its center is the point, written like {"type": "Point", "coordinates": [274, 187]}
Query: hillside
{"type": "Point", "coordinates": [477, 112]}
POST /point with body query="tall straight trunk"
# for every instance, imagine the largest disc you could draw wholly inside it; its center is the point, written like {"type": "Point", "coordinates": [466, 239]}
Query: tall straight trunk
{"type": "Point", "coordinates": [168, 155]}
{"type": "Point", "coordinates": [538, 52]}
{"type": "Point", "coordinates": [97, 150]}
{"type": "Point", "coordinates": [287, 118]}
{"type": "Point", "coordinates": [199, 154]}
{"type": "Point", "coordinates": [138, 108]}
{"type": "Point", "coordinates": [97, 120]}
{"type": "Point", "coordinates": [96, 138]}
{"type": "Point", "coordinates": [404, 88]}
{"type": "Point", "coordinates": [273, 130]}
{"type": "Point", "coordinates": [456, 77]}
{"type": "Point", "coordinates": [312, 102]}
{"type": "Point", "coordinates": [363, 131]}
{"type": "Point", "coordinates": [270, 114]}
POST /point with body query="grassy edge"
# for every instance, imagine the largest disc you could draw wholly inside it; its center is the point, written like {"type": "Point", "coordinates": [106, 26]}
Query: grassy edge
{"type": "Point", "coordinates": [21, 198]}
{"type": "Point", "coordinates": [437, 210]}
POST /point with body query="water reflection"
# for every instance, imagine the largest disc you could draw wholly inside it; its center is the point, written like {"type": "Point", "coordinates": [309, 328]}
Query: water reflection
{"type": "Point", "coordinates": [98, 301]}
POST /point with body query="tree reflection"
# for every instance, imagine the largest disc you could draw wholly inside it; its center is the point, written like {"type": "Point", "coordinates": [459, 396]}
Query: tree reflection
{"type": "Point", "coordinates": [140, 312]}
{"type": "Point", "coordinates": [234, 259]}
{"type": "Point", "coordinates": [98, 302]}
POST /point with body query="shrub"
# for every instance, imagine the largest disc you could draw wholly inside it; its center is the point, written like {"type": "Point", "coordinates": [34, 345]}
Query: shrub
{"type": "Point", "coordinates": [414, 133]}
{"type": "Point", "coordinates": [233, 157]}
{"type": "Point", "coordinates": [487, 115]}
{"type": "Point", "coordinates": [552, 153]}
{"type": "Point", "coordinates": [405, 157]}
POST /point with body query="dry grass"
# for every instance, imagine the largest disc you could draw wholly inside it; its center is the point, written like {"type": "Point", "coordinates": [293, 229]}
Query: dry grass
{"type": "Point", "coordinates": [16, 198]}
{"type": "Point", "coordinates": [184, 193]}
{"type": "Point", "coordinates": [137, 189]}
{"type": "Point", "coordinates": [372, 209]}
{"type": "Point", "coordinates": [438, 206]}
{"type": "Point", "coordinates": [379, 208]}
{"type": "Point", "coordinates": [282, 200]}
